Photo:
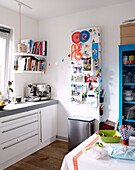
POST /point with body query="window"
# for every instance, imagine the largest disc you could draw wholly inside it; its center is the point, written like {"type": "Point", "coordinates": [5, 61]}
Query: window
{"type": "Point", "coordinates": [2, 60]}
{"type": "Point", "coordinates": [6, 49]}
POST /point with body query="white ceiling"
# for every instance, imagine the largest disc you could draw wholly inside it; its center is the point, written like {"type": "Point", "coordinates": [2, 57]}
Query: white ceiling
{"type": "Point", "coordinates": [43, 9]}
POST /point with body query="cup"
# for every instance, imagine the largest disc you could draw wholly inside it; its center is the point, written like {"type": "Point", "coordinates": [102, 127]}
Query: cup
{"type": "Point", "coordinates": [18, 99]}
{"type": "Point", "coordinates": [125, 142]}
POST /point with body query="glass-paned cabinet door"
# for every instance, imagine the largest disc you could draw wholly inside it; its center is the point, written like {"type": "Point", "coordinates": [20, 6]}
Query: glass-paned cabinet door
{"type": "Point", "coordinates": [127, 84]}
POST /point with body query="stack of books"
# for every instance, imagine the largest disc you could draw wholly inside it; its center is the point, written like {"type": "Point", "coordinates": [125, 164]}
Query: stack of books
{"type": "Point", "coordinates": [37, 47]}
{"type": "Point", "coordinates": [30, 64]}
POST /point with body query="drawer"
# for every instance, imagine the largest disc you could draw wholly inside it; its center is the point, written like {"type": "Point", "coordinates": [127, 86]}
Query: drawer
{"type": "Point", "coordinates": [13, 131]}
{"type": "Point", "coordinates": [18, 118]}
{"type": "Point", "coordinates": [17, 146]}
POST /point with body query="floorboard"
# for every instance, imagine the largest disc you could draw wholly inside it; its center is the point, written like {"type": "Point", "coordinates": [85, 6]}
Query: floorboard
{"type": "Point", "coordinates": [48, 158]}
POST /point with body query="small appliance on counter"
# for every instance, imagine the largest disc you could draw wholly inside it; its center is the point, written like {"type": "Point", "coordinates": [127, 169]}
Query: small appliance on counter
{"type": "Point", "coordinates": [38, 92]}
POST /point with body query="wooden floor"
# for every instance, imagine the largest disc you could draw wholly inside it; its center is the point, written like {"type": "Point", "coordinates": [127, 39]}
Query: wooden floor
{"type": "Point", "coordinates": [48, 158]}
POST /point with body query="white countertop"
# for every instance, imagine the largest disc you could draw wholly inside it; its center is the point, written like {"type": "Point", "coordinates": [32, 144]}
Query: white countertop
{"type": "Point", "coordinates": [11, 109]}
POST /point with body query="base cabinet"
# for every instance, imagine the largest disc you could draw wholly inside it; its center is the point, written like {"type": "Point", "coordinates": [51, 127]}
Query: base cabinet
{"type": "Point", "coordinates": [48, 122]}
{"type": "Point", "coordinates": [25, 133]}
{"type": "Point", "coordinates": [19, 133]}
{"type": "Point", "coordinates": [17, 146]}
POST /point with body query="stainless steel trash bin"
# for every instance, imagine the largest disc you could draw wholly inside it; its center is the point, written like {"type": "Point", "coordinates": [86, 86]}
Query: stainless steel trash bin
{"type": "Point", "coordinates": [79, 129]}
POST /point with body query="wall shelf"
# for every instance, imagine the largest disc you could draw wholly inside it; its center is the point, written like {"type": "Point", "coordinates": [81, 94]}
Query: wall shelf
{"type": "Point", "coordinates": [129, 102]}
{"type": "Point", "coordinates": [28, 72]}
{"type": "Point", "coordinates": [128, 84]}
{"type": "Point", "coordinates": [29, 54]}
{"type": "Point", "coordinates": [129, 120]}
{"type": "Point", "coordinates": [133, 65]}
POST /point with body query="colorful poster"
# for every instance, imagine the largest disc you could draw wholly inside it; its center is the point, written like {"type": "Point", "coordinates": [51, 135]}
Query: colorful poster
{"type": "Point", "coordinates": [86, 65]}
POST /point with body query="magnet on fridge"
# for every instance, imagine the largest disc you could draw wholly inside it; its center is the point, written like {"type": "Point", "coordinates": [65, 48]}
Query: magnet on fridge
{"type": "Point", "coordinates": [93, 42]}
{"type": "Point", "coordinates": [68, 55]}
{"type": "Point", "coordinates": [63, 60]}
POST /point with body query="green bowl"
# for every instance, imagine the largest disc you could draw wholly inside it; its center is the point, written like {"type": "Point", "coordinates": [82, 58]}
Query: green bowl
{"type": "Point", "coordinates": [109, 136]}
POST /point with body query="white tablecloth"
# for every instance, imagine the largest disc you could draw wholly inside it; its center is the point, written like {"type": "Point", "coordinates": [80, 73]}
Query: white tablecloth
{"type": "Point", "coordinates": [106, 163]}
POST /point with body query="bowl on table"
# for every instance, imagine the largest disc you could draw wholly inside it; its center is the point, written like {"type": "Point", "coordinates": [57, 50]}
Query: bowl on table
{"type": "Point", "coordinates": [109, 136]}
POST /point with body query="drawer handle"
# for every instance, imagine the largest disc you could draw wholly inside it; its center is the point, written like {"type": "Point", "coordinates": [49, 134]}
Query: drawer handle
{"type": "Point", "coordinates": [19, 126]}
{"type": "Point", "coordinates": [6, 147]}
{"type": "Point", "coordinates": [18, 118]}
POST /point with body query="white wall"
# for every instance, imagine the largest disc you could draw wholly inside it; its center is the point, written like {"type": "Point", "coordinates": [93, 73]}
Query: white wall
{"type": "Point", "coordinates": [58, 31]}
{"type": "Point", "coordinates": [29, 31]}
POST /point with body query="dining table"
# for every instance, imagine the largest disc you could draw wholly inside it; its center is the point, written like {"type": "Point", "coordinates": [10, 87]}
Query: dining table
{"type": "Point", "coordinates": [77, 159]}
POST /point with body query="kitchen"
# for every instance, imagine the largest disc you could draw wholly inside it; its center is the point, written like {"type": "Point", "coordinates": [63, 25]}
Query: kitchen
{"type": "Point", "coordinates": [56, 30]}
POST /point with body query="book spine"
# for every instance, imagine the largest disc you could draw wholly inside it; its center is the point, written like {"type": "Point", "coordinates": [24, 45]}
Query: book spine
{"type": "Point", "coordinates": [39, 65]}
{"type": "Point", "coordinates": [33, 50]}
{"type": "Point", "coordinates": [29, 64]}
{"type": "Point", "coordinates": [41, 49]}
{"type": "Point", "coordinates": [31, 45]}
{"type": "Point", "coordinates": [45, 48]}
{"type": "Point", "coordinates": [25, 64]}
{"type": "Point", "coordinates": [38, 47]}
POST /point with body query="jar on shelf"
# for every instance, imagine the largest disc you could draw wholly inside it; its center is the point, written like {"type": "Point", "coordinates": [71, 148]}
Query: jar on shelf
{"type": "Point", "coordinates": [125, 60]}
{"type": "Point", "coordinates": [131, 59]}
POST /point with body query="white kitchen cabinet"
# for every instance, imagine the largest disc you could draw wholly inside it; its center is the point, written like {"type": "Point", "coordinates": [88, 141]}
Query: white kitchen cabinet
{"type": "Point", "coordinates": [24, 133]}
{"type": "Point", "coordinates": [48, 122]}
{"type": "Point", "coordinates": [18, 133]}
{"type": "Point", "coordinates": [12, 128]}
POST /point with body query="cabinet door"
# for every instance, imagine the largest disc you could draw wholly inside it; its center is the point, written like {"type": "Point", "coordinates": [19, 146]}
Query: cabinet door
{"type": "Point", "coordinates": [127, 85]}
{"type": "Point", "coordinates": [48, 122]}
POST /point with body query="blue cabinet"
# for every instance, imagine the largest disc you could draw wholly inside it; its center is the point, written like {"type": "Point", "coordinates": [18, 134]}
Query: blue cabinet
{"type": "Point", "coordinates": [127, 84]}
